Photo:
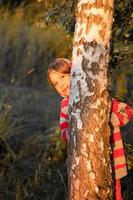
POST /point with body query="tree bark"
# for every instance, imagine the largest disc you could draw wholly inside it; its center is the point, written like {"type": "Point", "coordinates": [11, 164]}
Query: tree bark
{"type": "Point", "coordinates": [89, 166]}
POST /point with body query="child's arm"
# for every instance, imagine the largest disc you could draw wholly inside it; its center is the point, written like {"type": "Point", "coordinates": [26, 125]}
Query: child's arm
{"type": "Point", "coordinates": [64, 119]}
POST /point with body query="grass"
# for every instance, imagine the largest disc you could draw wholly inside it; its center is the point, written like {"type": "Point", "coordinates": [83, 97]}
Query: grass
{"type": "Point", "coordinates": [39, 162]}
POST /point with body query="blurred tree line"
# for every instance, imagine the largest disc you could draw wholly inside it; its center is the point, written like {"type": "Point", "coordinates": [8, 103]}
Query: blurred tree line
{"type": "Point", "coordinates": [34, 32]}
{"type": "Point", "coordinates": [28, 44]}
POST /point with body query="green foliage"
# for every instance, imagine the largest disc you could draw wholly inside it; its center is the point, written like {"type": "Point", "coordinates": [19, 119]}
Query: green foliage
{"type": "Point", "coordinates": [129, 155]}
{"type": "Point", "coordinates": [13, 3]}
{"type": "Point", "coordinates": [62, 13]}
{"type": "Point", "coordinates": [26, 50]}
{"type": "Point", "coordinates": [122, 51]}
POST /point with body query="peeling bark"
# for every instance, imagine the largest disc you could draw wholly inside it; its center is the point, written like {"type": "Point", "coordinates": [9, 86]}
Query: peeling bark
{"type": "Point", "coordinates": [89, 165]}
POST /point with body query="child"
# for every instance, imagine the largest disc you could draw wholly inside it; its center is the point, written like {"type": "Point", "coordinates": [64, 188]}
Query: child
{"type": "Point", "coordinates": [59, 77]}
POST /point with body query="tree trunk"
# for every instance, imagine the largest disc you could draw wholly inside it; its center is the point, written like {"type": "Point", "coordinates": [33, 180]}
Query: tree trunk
{"type": "Point", "coordinates": [89, 167]}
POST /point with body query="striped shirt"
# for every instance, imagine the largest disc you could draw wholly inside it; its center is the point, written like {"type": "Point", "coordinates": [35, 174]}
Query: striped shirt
{"type": "Point", "coordinates": [121, 113]}
{"type": "Point", "coordinates": [64, 118]}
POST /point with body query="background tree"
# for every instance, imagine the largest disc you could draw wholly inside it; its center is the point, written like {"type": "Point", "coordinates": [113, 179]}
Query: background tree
{"type": "Point", "coordinates": [88, 151]}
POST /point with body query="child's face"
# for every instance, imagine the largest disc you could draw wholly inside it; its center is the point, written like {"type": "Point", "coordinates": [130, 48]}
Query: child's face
{"type": "Point", "coordinates": [61, 82]}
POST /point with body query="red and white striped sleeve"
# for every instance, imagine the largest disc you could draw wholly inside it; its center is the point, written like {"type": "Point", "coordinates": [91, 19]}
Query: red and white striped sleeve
{"type": "Point", "coordinates": [64, 118]}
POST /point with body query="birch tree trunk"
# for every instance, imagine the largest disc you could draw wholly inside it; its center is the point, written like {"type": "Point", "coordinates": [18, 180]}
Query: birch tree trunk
{"type": "Point", "coordinates": [89, 165]}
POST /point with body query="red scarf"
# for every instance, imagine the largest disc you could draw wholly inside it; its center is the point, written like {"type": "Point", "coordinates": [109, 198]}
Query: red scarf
{"type": "Point", "coordinates": [120, 116]}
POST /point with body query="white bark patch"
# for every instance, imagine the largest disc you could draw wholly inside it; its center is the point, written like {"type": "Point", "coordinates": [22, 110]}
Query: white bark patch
{"type": "Point", "coordinates": [68, 136]}
{"type": "Point", "coordinates": [74, 153]}
{"type": "Point", "coordinates": [92, 175]}
{"type": "Point", "coordinates": [77, 70]}
{"type": "Point", "coordinates": [74, 96]}
{"type": "Point", "coordinates": [82, 2]}
{"type": "Point", "coordinates": [96, 189]}
{"type": "Point", "coordinates": [71, 172]}
{"type": "Point", "coordinates": [73, 166]}
{"type": "Point", "coordinates": [101, 144]}
{"type": "Point", "coordinates": [92, 1]}
{"type": "Point", "coordinates": [96, 129]}
{"type": "Point", "coordinates": [88, 165]}
{"type": "Point", "coordinates": [79, 10]}
{"type": "Point", "coordinates": [106, 16]}
{"type": "Point", "coordinates": [72, 131]}
{"type": "Point", "coordinates": [86, 193]}
{"type": "Point", "coordinates": [104, 1]}
{"type": "Point", "coordinates": [74, 141]}
{"type": "Point", "coordinates": [95, 11]}
{"type": "Point", "coordinates": [91, 137]}
{"type": "Point", "coordinates": [79, 121]}
{"type": "Point", "coordinates": [96, 117]}
{"type": "Point", "coordinates": [77, 160]}
{"type": "Point", "coordinates": [84, 150]}
{"type": "Point", "coordinates": [76, 184]}
{"type": "Point", "coordinates": [94, 33]}
{"type": "Point", "coordinates": [95, 57]}
{"type": "Point", "coordinates": [104, 161]}
{"type": "Point", "coordinates": [73, 175]}
{"type": "Point", "coordinates": [74, 161]}
{"type": "Point", "coordinates": [108, 191]}
{"type": "Point", "coordinates": [110, 169]}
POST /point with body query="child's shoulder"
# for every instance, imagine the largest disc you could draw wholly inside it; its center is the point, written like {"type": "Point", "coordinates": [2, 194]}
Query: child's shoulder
{"type": "Point", "coordinates": [65, 101]}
